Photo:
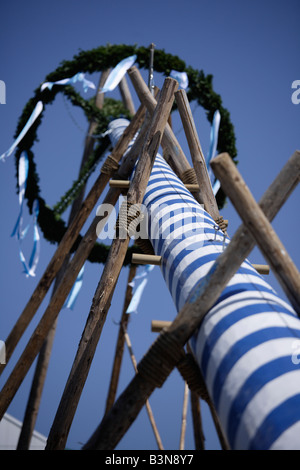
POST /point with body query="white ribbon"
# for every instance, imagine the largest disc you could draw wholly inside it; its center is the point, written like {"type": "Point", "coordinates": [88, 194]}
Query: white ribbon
{"type": "Point", "coordinates": [117, 74]}
{"type": "Point", "coordinates": [79, 77]}
{"type": "Point", "coordinates": [22, 181]}
{"type": "Point", "coordinates": [70, 302]}
{"type": "Point", "coordinates": [18, 231]}
{"type": "Point", "coordinates": [181, 77]}
{"type": "Point", "coordinates": [138, 284]}
{"type": "Point", "coordinates": [214, 132]}
{"type": "Point", "coordinates": [35, 114]}
{"type": "Point", "coordinates": [2, 353]}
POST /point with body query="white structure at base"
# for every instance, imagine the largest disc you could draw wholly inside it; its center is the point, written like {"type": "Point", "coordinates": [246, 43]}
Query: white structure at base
{"type": "Point", "coordinates": [10, 429]}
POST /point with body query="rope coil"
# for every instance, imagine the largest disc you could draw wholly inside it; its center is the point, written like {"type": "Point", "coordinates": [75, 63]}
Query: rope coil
{"type": "Point", "coordinates": [189, 176]}
{"type": "Point", "coordinates": [223, 224]}
{"type": "Point", "coordinates": [128, 219]}
{"type": "Point", "coordinates": [163, 355]}
{"type": "Point", "coordinates": [110, 166]}
{"type": "Point", "coordinates": [190, 372]}
{"type": "Point", "coordinates": [145, 245]}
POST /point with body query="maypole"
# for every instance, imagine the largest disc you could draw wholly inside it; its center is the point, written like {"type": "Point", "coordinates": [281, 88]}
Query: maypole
{"type": "Point", "coordinates": [243, 344]}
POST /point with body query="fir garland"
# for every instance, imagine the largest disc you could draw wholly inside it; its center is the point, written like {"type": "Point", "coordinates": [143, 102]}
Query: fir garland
{"type": "Point", "coordinates": [97, 60]}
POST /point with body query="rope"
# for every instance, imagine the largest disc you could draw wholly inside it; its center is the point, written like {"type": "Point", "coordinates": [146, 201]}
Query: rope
{"type": "Point", "coordinates": [189, 176]}
{"type": "Point", "coordinates": [110, 166]}
{"type": "Point", "coordinates": [128, 219]}
{"type": "Point", "coordinates": [163, 355]}
{"type": "Point", "coordinates": [223, 224]}
{"type": "Point", "coordinates": [190, 372]}
{"type": "Point", "coordinates": [145, 245]}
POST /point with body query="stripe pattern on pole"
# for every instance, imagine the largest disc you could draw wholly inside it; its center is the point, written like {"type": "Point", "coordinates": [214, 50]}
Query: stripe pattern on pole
{"type": "Point", "coordinates": [248, 344]}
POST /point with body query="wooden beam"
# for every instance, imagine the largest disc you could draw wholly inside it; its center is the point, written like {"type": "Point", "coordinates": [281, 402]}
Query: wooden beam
{"type": "Point", "coordinates": [205, 188]}
{"type": "Point", "coordinates": [147, 404]}
{"type": "Point", "coordinates": [126, 96]}
{"type": "Point", "coordinates": [197, 422]}
{"type": "Point", "coordinates": [184, 416]}
{"type": "Point", "coordinates": [127, 407]}
{"type": "Point", "coordinates": [260, 228]}
{"type": "Point", "coordinates": [114, 380]}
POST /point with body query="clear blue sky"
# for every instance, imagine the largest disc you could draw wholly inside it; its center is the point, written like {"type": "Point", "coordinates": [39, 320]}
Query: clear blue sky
{"type": "Point", "coordinates": [252, 50]}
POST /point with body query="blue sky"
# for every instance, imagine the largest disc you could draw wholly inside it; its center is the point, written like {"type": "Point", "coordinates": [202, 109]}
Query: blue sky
{"type": "Point", "coordinates": [251, 49]}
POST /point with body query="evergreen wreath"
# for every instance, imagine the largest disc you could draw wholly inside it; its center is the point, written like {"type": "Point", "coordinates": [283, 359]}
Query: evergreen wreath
{"type": "Point", "coordinates": [97, 60]}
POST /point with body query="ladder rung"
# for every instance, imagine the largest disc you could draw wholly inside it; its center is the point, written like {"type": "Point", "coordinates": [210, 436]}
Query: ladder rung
{"type": "Point", "coordinates": [154, 259]}
{"type": "Point", "coordinates": [124, 184]}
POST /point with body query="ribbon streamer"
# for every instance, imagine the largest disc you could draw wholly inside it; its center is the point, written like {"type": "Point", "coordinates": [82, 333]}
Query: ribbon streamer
{"type": "Point", "coordinates": [70, 302]}
{"type": "Point", "coordinates": [181, 77]}
{"type": "Point", "coordinates": [79, 77]}
{"type": "Point", "coordinates": [22, 181]}
{"type": "Point", "coordinates": [117, 74]}
{"type": "Point", "coordinates": [214, 132]}
{"type": "Point", "coordinates": [18, 231]}
{"type": "Point", "coordinates": [35, 114]}
{"type": "Point", "coordinates": [216, 187]}
{"type": "Point", "coordinates": [138, 284]}
{"type": "Point", "coordinates": [2, 352]}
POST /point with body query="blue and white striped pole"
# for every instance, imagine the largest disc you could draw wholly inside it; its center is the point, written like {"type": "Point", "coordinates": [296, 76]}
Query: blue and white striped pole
{"type": "Point", "coordinates": [247, 343]}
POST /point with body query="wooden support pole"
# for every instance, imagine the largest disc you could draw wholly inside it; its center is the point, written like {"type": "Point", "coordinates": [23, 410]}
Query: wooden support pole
{"type": "Point", "coordinates": [197, 422]}
{"type": "Point", "coordinates": [114, 380]}
{"type": "Point", "coordinates": [68, 240]}
{"type": "Point", "coordinates": [173, 152]}
{"type": "Point", "coordinates": [184, 416]}
{"type": "Point", "coordinates": [127, 100]}
{"type": "Point", "coordinates": [57, 301]}
{"type": "Point", "coordinates": [147, 404]}
{"type": "Point", "coordinates": [259, 226]}
{"type": "Point", "coordinates": [138, 258]}
{"type": "Point", "coordinates": [205, 188]}
{"type": "Point", "coordinates": [126, 96]}
{"type": "Point", "coordinates": [118, 420]}
{"type": "Point", "coordinates": [105, 289]}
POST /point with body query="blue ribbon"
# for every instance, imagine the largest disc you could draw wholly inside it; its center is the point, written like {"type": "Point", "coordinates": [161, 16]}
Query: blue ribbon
{"type": "Point", "coordinates": [181, 77]}
{"type": "Point", "coordinates": [79, 77]}
{"type": "Point", "coordinates": [138, 284]}
{"type": "Point", "coordinates": [18, 232]}
{"type": "Point", "coordinates": [117, 74]}
{"type": "Point", "coordinates": [35, 114]}
{"type": "Point", "coordinates": [70, 302]}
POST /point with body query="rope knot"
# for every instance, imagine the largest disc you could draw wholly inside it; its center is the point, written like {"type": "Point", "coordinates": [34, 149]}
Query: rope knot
{"type": "Point", "coordinates": [223, 224]}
